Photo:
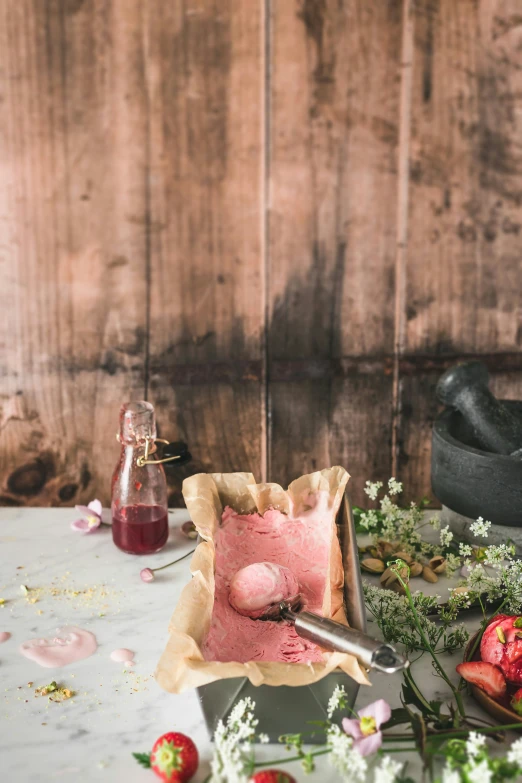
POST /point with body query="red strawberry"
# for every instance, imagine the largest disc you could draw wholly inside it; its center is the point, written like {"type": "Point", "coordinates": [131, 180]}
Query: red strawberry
{"type": "Point", "coordinates": [272, 776]}
{"type": "Point", "coordinates": [485, 675]}
{"type": "Point", "coordinates": [502, 645]}
{"type": "Point", "coordinates": [174, 758]}
{"type": "Point", "coordinates": [516, 702]}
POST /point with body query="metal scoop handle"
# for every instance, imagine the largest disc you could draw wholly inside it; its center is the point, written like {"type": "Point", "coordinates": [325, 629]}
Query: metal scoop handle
{"type": "Point", "coordinates": [339, 638]}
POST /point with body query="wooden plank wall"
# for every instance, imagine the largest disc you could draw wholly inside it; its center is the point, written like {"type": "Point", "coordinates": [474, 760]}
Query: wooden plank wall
{"type": "Point", "coordinates": [277, 220]}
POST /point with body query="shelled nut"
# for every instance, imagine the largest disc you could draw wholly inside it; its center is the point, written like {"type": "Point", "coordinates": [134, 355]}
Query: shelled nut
{"type": "Point", "coordinates": [428, 575]}
{"type": "Point", "coordinates": [373, 565]}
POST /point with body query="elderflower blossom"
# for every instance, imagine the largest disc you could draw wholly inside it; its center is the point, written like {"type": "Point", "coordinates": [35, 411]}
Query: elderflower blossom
{"type": "Point", "coordinates": [264, 739]}
{"type": "Point", "coordinates": [233, 744]}
{"type": "Point", "coordinates": [372, 489]}
{"type": "Point", "coordinates": [394, 487]}
{"type": "Point", "coordinates": [450, 775]}
{"type": "Point", "coordinates": [475, 744]}
{"type": "Point", "coordinates": [387, 771]}
{"type": "Point", "coordinates": [515, 752]}
{"type": "Point", "coordinates": [434, 522]}
{"type": "Point", "coordinates": [337, 700]}
{"type": "Point", "coordinates": [369, 519]}
{"type": "Point", "coordinates": [480, 527]}
{"type": "Point", "coordinates": [465, 550]}
{"type": "Point", "coordinates": [452, 563]}
{"type": "Point", "coordinates": [480, 773]}
{"type": "Point", "coordinates": [496, 554]}
{"type": "Point", "coordinates": [446, 536]}
{"type": "Point", "coordinates": [348, 762]}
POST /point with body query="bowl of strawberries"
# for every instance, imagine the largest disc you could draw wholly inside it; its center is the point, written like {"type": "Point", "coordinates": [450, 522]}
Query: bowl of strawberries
{"type": "Point", "coordinates": [494, 670]}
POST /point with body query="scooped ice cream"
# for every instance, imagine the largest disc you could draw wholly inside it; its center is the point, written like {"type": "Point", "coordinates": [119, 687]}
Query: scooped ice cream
{"type": "Point", "coordinates": [257, 587]}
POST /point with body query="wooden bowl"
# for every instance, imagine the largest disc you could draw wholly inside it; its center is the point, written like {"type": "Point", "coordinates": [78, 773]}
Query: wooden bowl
{"type": "Point", "coordinates": [498, 709]}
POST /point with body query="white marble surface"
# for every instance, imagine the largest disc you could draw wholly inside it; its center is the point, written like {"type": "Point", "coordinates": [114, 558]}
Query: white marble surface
{"type": "Point", "coordinates": [114, 712]}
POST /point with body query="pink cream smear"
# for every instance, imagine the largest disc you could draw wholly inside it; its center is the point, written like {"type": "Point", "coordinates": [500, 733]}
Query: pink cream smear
{"type": "Point", "coordinates": [123, 656]}
{"type": "Point", "coordinates": [4, 636]}
{"type": "Point", "coordinates": [70, 644]}
{"type": "Point", "coordinates": [299, 541]}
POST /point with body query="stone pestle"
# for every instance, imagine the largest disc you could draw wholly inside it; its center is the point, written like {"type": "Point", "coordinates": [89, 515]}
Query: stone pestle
{"type": "Point", "coordinates": [496, 428]}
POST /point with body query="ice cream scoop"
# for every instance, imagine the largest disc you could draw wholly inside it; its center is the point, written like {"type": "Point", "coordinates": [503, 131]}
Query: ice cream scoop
{"type": "Point", "coordinates": [267, 591]}
{"type": "Point", "coordinates": [255, 589]}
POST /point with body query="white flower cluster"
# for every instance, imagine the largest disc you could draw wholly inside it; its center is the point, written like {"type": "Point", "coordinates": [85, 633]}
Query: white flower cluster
{"type": "Point", "coordinates": [337, 700]}
{"type": "Point", "coordinates": [348, 762]}
{"type": "Point", "coordinates": [480, 527]}
{"type": "Point", "coordinates": [233, 744]}
{"type": "Point", "coordinates": [446, 536]}
{"type": "Point", "coordinates": [465, 550]}
{"type": "Point", "coordinates": [495, 555]}
{"type": "Point", "coordinates": [475, 744]}
{"type": "Point", "coordinates": [515, 753]}
{"type": "Point", "coordinates": [394, 487]}
{"type": "Point", "coordinates": [387, 771]}
{"type": "Point", "coordinates": [372, 489]}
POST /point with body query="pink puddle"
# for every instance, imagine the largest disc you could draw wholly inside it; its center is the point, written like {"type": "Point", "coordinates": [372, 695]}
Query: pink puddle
{"type": "Point", "coordinates": [123, 656]}
{"type": "Point", "coordinates": [4, 636]}
{"type": "Point", "coordinates": [70, 644]}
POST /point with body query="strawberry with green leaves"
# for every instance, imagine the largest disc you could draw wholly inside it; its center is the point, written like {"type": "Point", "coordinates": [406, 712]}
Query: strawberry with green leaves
{"type": "Point", "coordinates": [174, 758]}
{"type": "Point", "coordinates": [272, 776]}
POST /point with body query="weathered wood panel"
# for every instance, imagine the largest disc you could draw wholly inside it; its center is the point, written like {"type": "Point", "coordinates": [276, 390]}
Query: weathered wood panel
{"type": "Point", "coordinates": [205, 74]}
{"type": "Point", "coordinates": [334, 129]}
{"type": "Point", "coordinates": [464, 263]}
{"type": "Point", "coordinates": [72, 243]}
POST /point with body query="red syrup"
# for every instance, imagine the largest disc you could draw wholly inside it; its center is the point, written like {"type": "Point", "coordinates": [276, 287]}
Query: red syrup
{"type": "Point", "coordinates": [140, 529]}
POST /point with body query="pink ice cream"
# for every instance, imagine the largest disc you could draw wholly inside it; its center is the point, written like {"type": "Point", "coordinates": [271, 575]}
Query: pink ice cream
{"type": "Point", "coordinates": [257, 587]}
{"type": "Point", "coordinates": [301, 542]}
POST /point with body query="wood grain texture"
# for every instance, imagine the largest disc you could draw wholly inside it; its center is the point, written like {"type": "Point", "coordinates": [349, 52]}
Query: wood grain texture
{"type": "Point", "coordinates": [73, 240]}
{"type": "Point", "coordinates": [464, 265]}
{"type": "Point", "coordinates": [205, 75]}
{"type": "Point", "coordinates": [334, 97]}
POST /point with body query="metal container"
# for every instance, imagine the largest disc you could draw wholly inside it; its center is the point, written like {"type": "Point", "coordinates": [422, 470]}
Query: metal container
{"type": "Point", "coordinates": [283, 709]}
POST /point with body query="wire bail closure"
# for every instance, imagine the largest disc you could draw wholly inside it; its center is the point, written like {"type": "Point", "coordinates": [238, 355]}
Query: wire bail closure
{"type": "Point", "coordinates": [149, 450]}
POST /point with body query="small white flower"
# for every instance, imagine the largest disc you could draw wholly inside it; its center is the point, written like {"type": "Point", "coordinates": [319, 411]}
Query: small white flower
{"type": "Point", "coordinates": [394, 487]}
{"type": "Point", "coordinates": [337, 699]}
{"type": "Point", "coordinates": [342, 757]}
{"type": "Point", "coordinates": [475, 744]}
{"type": "Point", "coordinates": [387, 771]}
{"type": "Point", "coordinates": [435, 523]}
{"type": "Point", "coordinates": [446, 536]}
{"type": "Point", "coordinates": [515, 753]}
{"type": "Point", "coordinates": [480, 527]}
{"type": "Point", "coordinates": [480, 773]}
{"type": "Point", "coordinates": [264, 739]}
{"type": "Point", "coordinates": [450, 775]}
{"type": "Point", "coordinates": [372, 489]}
{"type": "Point", "coordinates": [465, 550]}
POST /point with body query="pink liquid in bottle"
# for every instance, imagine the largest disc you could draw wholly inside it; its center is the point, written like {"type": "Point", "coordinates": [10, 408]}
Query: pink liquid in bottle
{"type": "Point", "coordinates": [140, 530]}
{"type": "Point", "coordinates": [139, 488]}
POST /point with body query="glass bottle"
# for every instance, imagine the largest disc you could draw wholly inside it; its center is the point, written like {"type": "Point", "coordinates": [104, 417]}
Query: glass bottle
{"type": "Point", "coordinates": [139, 491]}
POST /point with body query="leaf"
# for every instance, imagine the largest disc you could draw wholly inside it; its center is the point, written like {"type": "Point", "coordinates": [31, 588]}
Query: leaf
{"type": "Point", "coordinates": [435, 706]}
{"type": "Point", "coordinates": [399, 715]}
{"type": "Point", "coordinates": [143, 759]}
{"type": "Point", "coordinates": [412, 696]}
{"type": "Point", "coordinates": [419, 730]}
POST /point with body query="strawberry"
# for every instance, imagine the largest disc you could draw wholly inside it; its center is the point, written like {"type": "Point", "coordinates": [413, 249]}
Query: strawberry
{"type": "Point", "coordinates": [485, 675]}
{"type": "Point", "coordinates": [501, 645]}
{"type": "Point", "coordinates": [272, 776]}
{"type": "Point", "coordinates": [174, 758]}
{"type": "Point", "coordinates": [516, 702]}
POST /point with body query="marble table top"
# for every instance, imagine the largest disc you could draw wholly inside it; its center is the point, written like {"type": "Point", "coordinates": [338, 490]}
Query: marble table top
{"type": "Point", "coordinates": [86, 581]}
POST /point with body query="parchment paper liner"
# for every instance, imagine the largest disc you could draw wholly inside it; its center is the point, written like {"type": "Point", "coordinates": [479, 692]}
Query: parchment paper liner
{"type": "Point", "coordinates": [182, 665]}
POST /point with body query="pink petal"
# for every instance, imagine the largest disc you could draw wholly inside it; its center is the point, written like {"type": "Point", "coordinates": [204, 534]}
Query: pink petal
{"type": "Point", "coordinates": [95, 507]}
{"type": "Point", "coordinates": [81, 525]}
{"type": "Point", "coordinates": [369, 744]}
{"type": "Point", "coordinates": [146, 575]}
{"type": "Point", "coordinates": [352, 727]}
{"type": "Point", "coordinates": [380, 710]}
{"type": "Point", "coordinates": [85, 511]}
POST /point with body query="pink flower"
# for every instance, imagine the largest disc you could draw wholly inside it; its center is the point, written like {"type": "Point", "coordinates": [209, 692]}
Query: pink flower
{"type": "Point", "coordinates": [147, 575]}
{"type": "Point", "coordinates": [365, 730]}
{"type": "Point", "coordinates": [91, 517]}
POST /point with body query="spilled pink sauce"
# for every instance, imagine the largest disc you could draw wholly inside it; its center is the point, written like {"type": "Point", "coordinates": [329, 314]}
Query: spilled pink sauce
{"type": "Point", "coordinates": [123, 656]}
{"type": "Point", "coordinates": [70, 644]}
{"type": "Point", "coordinates": [4, 636]}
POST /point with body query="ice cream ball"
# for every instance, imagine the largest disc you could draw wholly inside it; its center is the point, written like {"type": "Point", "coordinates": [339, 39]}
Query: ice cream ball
{"type": "Point", "coordinates": [255, 588]}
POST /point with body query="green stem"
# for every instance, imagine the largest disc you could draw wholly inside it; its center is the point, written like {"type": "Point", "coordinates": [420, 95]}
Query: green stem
{"type": "Point", "coordinates": [292, 758]}
{"type": "Point", "coordinates": [174, 561]}
{"type": "Point", "coordinates": [426, 642]}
